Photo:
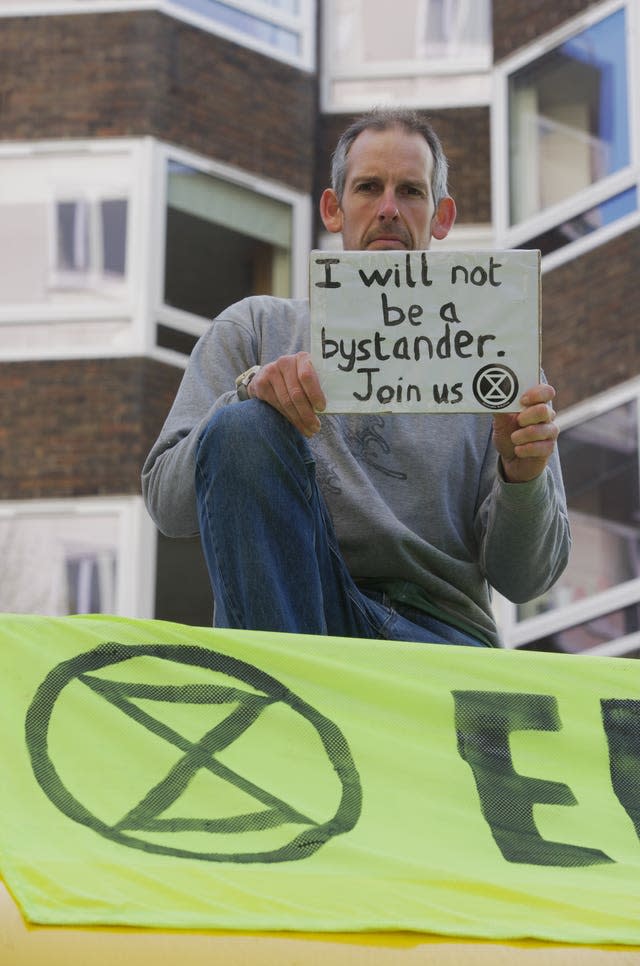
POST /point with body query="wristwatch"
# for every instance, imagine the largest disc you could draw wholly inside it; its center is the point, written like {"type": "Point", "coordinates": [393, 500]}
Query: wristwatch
{"type": "Point", "coordinates": [243, 380]}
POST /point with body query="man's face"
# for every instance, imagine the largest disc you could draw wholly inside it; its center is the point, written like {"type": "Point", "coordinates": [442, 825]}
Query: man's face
{"type": "Point", "coordinates": [387, 202]}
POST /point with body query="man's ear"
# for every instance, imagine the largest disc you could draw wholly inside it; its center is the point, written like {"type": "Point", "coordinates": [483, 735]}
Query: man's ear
{"type": "Point", "coordinates": [330, 210]}
{"type": "Point", "coordinates": [443, 220]}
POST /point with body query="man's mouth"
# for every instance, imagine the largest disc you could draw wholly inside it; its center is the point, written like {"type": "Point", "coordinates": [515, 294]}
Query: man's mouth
{"type": "Point", "coordinates": [384, 241]}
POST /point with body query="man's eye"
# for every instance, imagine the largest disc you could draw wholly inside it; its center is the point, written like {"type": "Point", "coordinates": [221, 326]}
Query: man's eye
{"type": "Point", "coordinates": [366, 186]}
{"type": "Point", "coordinates": [413, 191]}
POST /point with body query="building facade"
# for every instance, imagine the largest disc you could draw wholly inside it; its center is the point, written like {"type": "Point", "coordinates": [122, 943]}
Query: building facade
{"type": "Point", "coordinates": [161, 158]}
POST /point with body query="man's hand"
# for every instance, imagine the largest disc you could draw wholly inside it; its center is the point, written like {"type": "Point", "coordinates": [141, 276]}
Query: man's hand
{"type": "Point", "coordinates": [526, 440]}
{"type": "Point", "coordinates": [290, 384]}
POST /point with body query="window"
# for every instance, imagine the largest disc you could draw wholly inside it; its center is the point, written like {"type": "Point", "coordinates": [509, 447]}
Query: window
{"type": "Point", "coordinates": [72, 236]}
{"type": "Point", "coordinates": [65, 225]}
{"type": "Point", "coordinates": [90, 243]}
{"type": "Point", "coordinates": [90, 580]}
{"type": "Point", "coordinates": [454, 29]}
{"type": "Point", "coordinates": [596, 601]}
{"type": "Point", "coordinates": [423, 59]}
{"type": "Point", "coordinates": [61, 564]}
{"type": "Point", "coordinates": [568, 138]}
{"type": "Point", "coordinates": [568, 118]}
{"type": "Point", "coordinates": [77, 242]}
{"type": "Point", "coordinates": [79, 556]}
{"type": "Point", "coordinates": [224, 241]}
{"type": "Point", "coordinates": [274, 23]}
{"type": "Point", "coordinates": [283, 29]}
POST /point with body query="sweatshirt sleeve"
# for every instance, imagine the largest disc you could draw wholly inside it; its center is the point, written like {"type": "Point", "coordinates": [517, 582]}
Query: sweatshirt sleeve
{"type": "Point", "coordinates": [228, 347]}
{"type": "Point", "coordinates": [524, 533]}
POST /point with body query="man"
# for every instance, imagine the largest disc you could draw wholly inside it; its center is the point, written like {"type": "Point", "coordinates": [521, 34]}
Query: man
{"type": "Point", "coordinates": [364, 526]}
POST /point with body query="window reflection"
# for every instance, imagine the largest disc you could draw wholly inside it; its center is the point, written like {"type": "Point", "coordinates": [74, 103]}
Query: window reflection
{"type": "Point", "coordinates": [445, 29]}
{"type": "Point", "coordinates": [259, 28]}
{"type": "Point", "coordinates": [600, 466]}
{"type": "Point", "coordinates": [568, 118]}
{"type": "Point", "coordinates": [73, 236]}
{"type": "Point", "coordinates": [113, 225]}
{"type": "Point", "coordinates": [454, 27]}
{"type": "Point", "coordinates": [405, 51]}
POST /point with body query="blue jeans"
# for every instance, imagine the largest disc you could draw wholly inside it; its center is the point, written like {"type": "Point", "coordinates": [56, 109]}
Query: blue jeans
{"type": "Point", "coordinates": [269, 543]}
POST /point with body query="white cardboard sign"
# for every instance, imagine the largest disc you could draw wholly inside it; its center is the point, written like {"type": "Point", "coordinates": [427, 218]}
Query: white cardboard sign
{"type": "Point", "coordinates": [425, 331]}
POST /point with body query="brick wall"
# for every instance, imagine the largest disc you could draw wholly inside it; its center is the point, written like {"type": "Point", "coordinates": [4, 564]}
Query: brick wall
{"type": "Point", "coordinates": [591, 332]}
{"type": "Point", "coordinates": [464, 133]}
{"type": "Point", "coordinates": [143, 73]}
{"type": "Point", "coordinates": [515, 27]}
{"type": "Point", "coordinates": [79, 428]}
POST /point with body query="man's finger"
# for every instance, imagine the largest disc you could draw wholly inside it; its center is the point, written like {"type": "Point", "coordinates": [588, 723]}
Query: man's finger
{"type": "Point", "coordinates": [311, 384]}
{"type": "Point", "coordinates": [543, 393]}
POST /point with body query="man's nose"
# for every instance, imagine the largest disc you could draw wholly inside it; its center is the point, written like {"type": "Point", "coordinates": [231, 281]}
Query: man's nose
{"type": "Point", "coordinates": [388, 209]}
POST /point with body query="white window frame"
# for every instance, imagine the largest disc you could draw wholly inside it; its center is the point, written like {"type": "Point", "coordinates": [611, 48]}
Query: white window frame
{"type": "Point", "coordinates": [302, 24]}
{"type": "Point", "coordinates": [134, 542]}
{"type": "Point", "coordinates": [187, 322]}
{"type": "Point", "coordinates": [515, 633]}
{"type": "Point", "coordinates": [515, 236]}
{"type": "Point", "coordinates": [453, 81]}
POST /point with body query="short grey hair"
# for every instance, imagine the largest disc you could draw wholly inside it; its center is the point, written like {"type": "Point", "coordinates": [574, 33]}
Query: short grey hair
{"type": "Point", "coordinates": [382, 119]}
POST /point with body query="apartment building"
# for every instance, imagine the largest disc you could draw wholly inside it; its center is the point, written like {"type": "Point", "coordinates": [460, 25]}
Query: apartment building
{"type": "Point", "coordinates": [161, 158]}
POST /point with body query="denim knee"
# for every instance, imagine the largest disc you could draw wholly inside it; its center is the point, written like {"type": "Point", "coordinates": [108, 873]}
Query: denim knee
{"type": "Point", "coordinates": [234, 423]}
{"type": "Point", "coordinates": [249, 435]}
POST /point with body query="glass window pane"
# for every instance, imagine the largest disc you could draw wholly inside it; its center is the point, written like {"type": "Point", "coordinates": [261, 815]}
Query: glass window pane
{"type": "Point", "coordinates": [91, 581]}
{"type": "Point", "coordinates": [271, 34]}
{"type": "Point", "coordinates": [114, 235]}
{"type": "Point", "coordinates": [288, 6]}
{"type": "Point", "coordinates": [224, 242]}
{"type": "Point", "coordinates": [455, 27]}
{"type": "Point", "coordinates": [407, 52]}
{"type": "Point", "coordinates": [600, 466]}
{"type": "Point", "coordinates": [73, 253]}
{"type": "Point", "coordinates": [568, 118]}
{"type": "Point", "coordinates": [422, 30]}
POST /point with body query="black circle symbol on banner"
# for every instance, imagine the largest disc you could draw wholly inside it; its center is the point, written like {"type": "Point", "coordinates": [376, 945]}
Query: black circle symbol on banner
{"type": "Point", "coordinates": [249, 692]}
{"type": "Point", "coordinates": [495, 386]}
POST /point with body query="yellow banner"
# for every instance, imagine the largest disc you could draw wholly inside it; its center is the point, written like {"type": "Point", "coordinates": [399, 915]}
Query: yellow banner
{"type": "Point", "coordinates": [163, 775]}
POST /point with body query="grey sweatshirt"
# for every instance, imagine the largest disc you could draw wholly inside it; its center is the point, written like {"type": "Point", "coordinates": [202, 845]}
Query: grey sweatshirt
{"type": "Point", "coordinates": [416, 500]}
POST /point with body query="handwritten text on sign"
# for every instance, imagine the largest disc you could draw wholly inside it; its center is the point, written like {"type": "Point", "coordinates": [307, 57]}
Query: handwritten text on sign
{"type": "Point", "coordinates": [425, 331]}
